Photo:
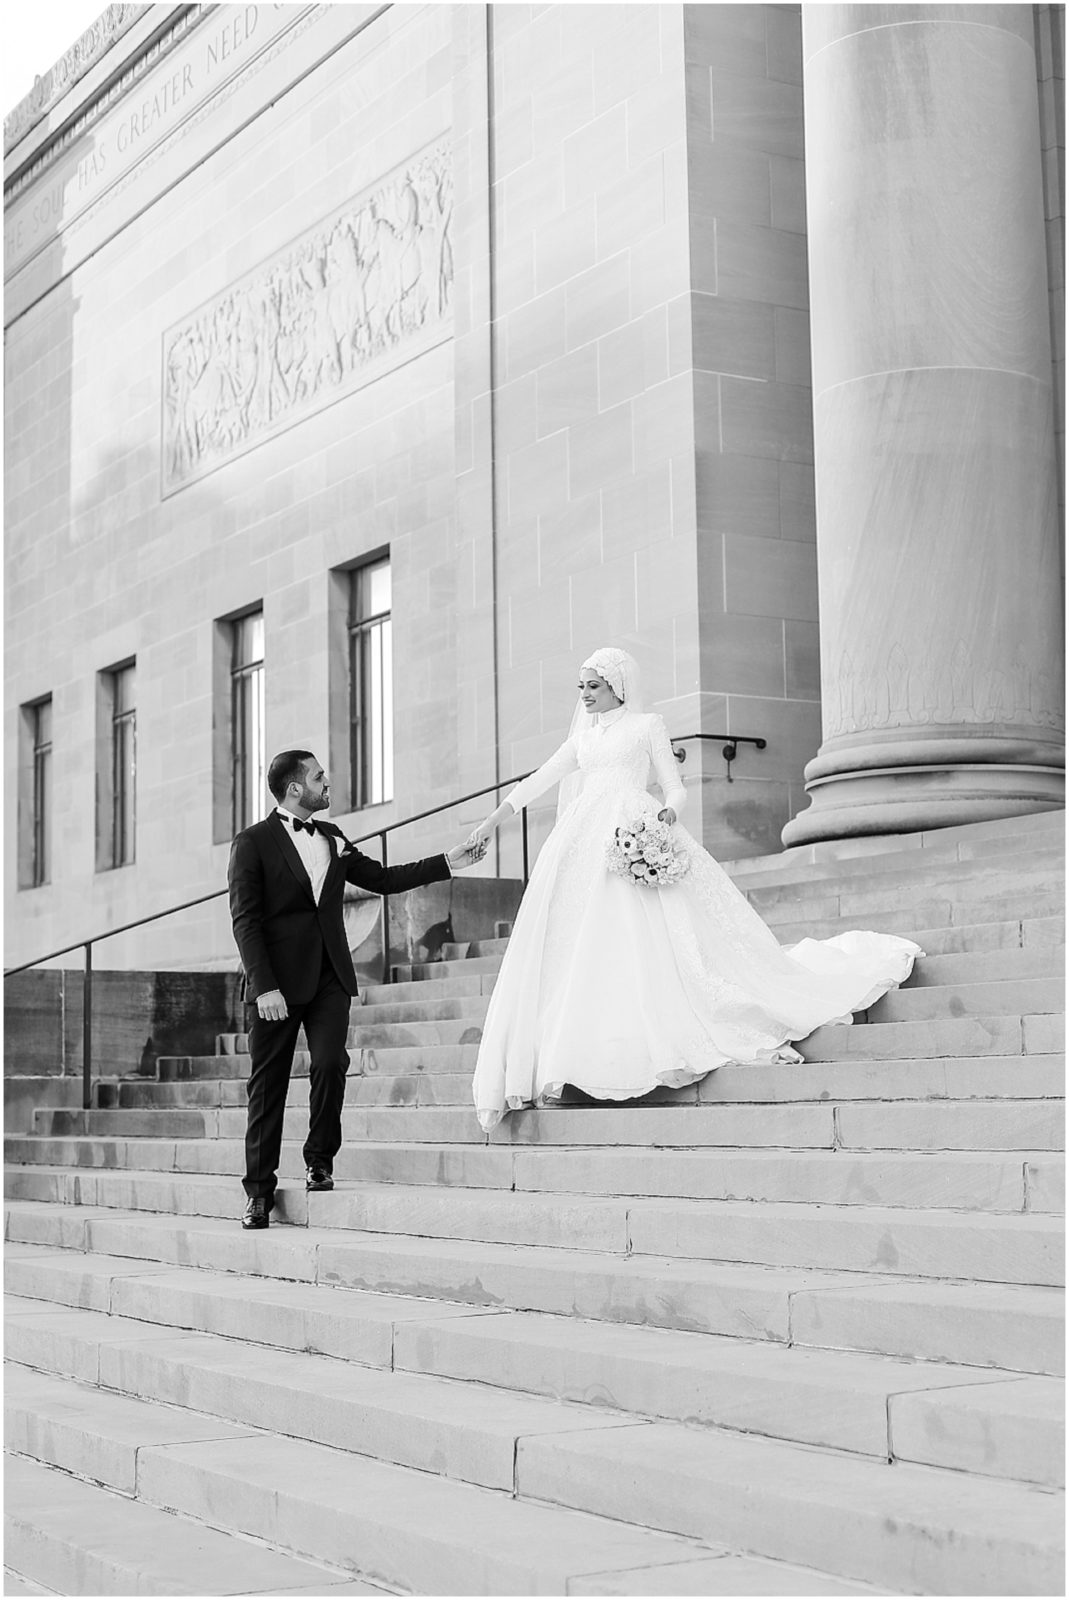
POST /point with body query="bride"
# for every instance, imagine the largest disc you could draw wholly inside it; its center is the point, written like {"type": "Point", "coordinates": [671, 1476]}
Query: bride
{"type": "Point", "coordinates": [617, 987]}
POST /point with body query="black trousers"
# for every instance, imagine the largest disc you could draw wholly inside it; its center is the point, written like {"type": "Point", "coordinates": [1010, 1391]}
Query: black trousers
{"type": "Point", "coordinates": [271, 1044]}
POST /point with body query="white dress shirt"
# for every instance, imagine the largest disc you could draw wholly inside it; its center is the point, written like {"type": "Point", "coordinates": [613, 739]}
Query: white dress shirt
{"type": "Point", "coordinates": [313, 849]}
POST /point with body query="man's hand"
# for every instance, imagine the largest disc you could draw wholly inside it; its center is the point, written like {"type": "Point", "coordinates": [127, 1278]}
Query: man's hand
{"type": "Point", "coordinates": [272, 1006]}
{"type": "Point", "coordinates": [466, 854]}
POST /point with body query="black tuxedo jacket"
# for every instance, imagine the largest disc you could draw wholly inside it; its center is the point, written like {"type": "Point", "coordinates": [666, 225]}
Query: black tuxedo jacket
{"type": "Point", "coordinates": [280, 931]}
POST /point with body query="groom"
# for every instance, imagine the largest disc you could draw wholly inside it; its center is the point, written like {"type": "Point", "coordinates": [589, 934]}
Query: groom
{"type": "Point", "coordinates": [287, 877]}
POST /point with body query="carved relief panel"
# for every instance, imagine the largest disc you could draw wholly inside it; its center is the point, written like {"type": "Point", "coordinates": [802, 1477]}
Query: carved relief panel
{"type": "Point", "coordinates": [370, 286]}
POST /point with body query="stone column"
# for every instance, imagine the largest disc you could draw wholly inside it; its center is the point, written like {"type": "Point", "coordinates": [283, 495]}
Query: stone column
{"type": "Point", "coordinates": [940, 601]}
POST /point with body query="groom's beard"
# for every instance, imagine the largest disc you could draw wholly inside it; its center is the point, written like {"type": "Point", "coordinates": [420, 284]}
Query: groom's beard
{"type": "Point", "coordinates": [314, 802]}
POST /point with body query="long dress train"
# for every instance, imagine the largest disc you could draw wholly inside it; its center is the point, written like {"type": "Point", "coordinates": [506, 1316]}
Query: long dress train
{"type": "Point", "coordinates": [617, 988]}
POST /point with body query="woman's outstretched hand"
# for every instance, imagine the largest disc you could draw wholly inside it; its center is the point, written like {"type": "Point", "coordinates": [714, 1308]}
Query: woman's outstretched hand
{"type": "Point", "coordinates": [466, 854]}
{"type": "Point", "coordinates": [667, 815]}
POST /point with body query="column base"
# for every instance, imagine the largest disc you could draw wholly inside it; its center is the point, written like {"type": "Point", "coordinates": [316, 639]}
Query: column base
{"type": "Point", "coordinates": [914, 799]}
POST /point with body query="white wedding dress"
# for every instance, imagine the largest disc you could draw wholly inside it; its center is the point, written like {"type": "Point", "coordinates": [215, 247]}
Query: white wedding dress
{"type": "Point", "coordinates": [616, 988]}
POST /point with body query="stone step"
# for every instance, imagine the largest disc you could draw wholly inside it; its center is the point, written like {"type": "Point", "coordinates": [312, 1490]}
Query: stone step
{"type": "Point", "coordinates": [966, 882]}
{"type": "Point", "coordinates": [1001, 834]}
{"type": "Point", "coordinates": [78, 1538]}
{"type": "Point", "coordinates": [466, 1432]}
{"type": "Point", "coordinates": [835, 1401]}
{"type": "Point", "coordinates": [999, 1124]}
{"type": "Point", "coordinates": [400, 1059]}
{"type": "Point", "coordinates": [414, 1532]}
{"type": "Point", "coordinates": [1014, 1429]}
{"type": "Point", "coordinates": [1005, 853]}
{"type": "Point", "coordinates": [954, 1077]}
{"type": "Point", "coordinates": [940, 1036]}
{"type": "Point", "coordinates": [468, 966]}
{"type": "Point", "coordinates": [984, 966]}
{"type": "Point", "coordinates": [951, 1179]}
{"type": "Point", "coordinates": [421, 1008]}
{"type": "Point", "coordinates": [908, 1527]}
{"type": "Point", "coordinates": [948, 1180]}
{"type": "Point", "coordinates": [370, 1036]}
{"type": "Point", "coordinates": [1006, 1247]}
{"type": "Point", "coordinates": [943, 934]}
{"type": "Point", "coordinates": [945, 1033]}
{"type": "Point", "coordinates": [1009, 1326]}
{"type": "Point", "coordinates": [985, 998]}
{"type": "Point", "coordinates": [474, 949]}
{"type": "Point", "coordinates": [828, 1400]}
{"type": "Point", "coordinates": [456, 985]}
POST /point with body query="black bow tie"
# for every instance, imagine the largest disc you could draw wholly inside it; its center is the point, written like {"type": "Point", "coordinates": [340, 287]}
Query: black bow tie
{"type": "Point", "coordinates": [304, 827]}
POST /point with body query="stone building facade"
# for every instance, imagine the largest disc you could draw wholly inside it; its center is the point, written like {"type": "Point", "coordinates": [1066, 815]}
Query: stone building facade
{"type": "Point", "coordinates": [731, 334]}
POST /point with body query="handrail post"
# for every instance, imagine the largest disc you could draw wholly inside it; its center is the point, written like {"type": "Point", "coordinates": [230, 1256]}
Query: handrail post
{"type": "Point", "coordinates": [387, 971]}
{"type": "Point", "coordinates": [523, 835]}
{"type": "Point", "coordinates": [87, 1029]}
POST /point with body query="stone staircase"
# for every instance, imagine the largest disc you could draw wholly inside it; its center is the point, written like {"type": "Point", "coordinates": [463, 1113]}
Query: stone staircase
{"type": "Point", "coordinates": [792, 1330]}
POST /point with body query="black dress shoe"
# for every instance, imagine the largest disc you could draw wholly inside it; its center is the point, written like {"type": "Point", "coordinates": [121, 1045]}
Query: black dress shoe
{"type": "Point", "coordinates": [318, 1177]}
{"type": "Point", "coordinates": [257, 1212]}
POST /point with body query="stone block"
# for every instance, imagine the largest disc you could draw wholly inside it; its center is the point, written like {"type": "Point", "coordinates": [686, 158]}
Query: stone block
{"type": "Point", "coordinates": [737, 494]}
{"type": "Point", "coordinates": [414, 1531]}
{"type": "Point", "coordinates": [630, 208]}
{"type": "Point", "coordinates": [1043, 1033]}
{"type": "Point", "coordinates": [743, 654]}
{"type": "Point", "coordinates": [600, 451]}
{"type": "Point", "coordinates": [566, 244]}
{"type": "Point", "coordinates": [467, 1434]}
{"type": "Point", "coordinates": [751, 1302]}
{"type": "Point", "coordinates": [965, 1036]}
{"type": "Point", "coordinates": [597, 302]}
{"type": "Point", "coordinates": [89, 1433]}
{"type": "Point", "coordinates": [663, 424]}
{"type": "Point", "coordinates": [994, 1248]}
{"type": "Point", "coordinates": [1045, 1184]}
{"type": "Point", "coordinates": [637, 511]}
{"type": "Point", "coordinates": [761, 115]}
{"type": "Point", "coordinates": [954, 1180]}
{"type": "Point", "coordinates": [664, 573]}
{"type": "Point", "coordinates": [730, 37]}
{"type": "Point", "coordinates": [733, 335]}
{"type": "Point", "coordinates": [909, 1525]}
{"type": "Point", "coordinates": [982, 1325]}
{"type": "Point", "coordinates": [1001, 1430]}
{"type": "Point", "coordinates": [73, 1534]}
{"type": "Point", "coordinates": [535, 334]}
{"type": "Point", "coordinates": [787, 187]}
{"type": "Point", "coordinates": [731, 183]}
{"type": "Point", "coordinates": [767, 419]}
{"type": "Point", "coordinates": [568, 390]}
{"type": "Point", "coordinates": [756, 1388]}
{"type": "Point", "coordinates": [660, 265]}
{"type": "Point", "coordinates": [632, 359]}
{"type": "Point", "coordinates": [1006, 1125]}
{"type": "Point", "coordinates": [771, 579]}
{"type": "Point", "coordinates": [718, 1575]}
{"type": "Point", "coordinates": [596, 153]}
{"type": "Point", "coordinates": [488, 1216]}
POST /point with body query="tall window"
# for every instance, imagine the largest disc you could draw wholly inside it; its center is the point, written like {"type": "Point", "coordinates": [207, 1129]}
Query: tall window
{"type": "Point", "coordinates": [371, 684]}
{"type": "Point", "coordinates": [41, 720]}
{"type": "Point", "coordinates": [247, 718]}
{"type": "Point", "coordinates": [123, 766]}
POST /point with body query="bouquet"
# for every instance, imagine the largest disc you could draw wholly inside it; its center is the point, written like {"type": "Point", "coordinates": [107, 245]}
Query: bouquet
{"type": "Point", "coordinates": [644, 852]}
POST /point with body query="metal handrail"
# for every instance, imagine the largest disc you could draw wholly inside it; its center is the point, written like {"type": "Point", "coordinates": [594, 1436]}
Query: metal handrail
{"type": "Point", "coordinates": [730, 742]}
{"type": "Point", "coordinates": [730, 749]}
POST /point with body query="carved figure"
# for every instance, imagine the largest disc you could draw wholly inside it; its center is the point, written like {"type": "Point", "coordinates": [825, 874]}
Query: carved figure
{"type": "Point", "coordinates": [311, 323]}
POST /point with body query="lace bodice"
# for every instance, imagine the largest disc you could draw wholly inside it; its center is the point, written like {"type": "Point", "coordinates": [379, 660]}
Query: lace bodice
{"type": "Point", "coordinates": [626, 749]}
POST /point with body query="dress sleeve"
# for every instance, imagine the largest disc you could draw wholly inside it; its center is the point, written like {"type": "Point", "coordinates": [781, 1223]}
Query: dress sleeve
{"type": "Point", "coordinates": [560, 763]}
{"type": "Point", "coordinates": [665, 766]}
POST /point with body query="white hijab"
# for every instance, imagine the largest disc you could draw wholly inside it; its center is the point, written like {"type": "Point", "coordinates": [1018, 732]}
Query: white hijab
{"type": "Point", "coordinates": [621, 673]}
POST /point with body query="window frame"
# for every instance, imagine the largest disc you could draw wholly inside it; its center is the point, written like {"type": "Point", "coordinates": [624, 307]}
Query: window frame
{"type": "Point", "coordinates": [370, 711]}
